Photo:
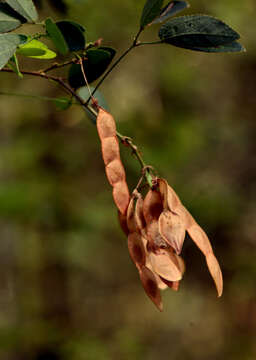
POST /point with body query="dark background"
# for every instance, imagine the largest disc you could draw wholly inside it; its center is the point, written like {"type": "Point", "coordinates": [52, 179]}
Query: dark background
{"type": "Point", "coordinates": [68, 289]}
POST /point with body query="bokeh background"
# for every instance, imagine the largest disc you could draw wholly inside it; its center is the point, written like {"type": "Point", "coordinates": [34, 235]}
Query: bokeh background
{"type": "Point", "coordinates": [68, 289]}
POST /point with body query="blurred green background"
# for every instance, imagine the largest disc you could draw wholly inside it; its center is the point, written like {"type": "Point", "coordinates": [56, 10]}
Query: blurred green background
{"type": "Point", "coordinates": [68, 289]}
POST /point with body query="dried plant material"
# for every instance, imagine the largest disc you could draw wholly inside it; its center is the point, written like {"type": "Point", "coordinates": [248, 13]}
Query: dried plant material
{"type": "Point", "coordinates": [174, 285]}
{"type": "Point", "coordinates": [123, 223]}
{"type": "Point", "coordinates": [121, 196]}
{"type": "Point", "coordinates": [136, 249]}
{"type": "Point", "coordinates": [170, 199]}
{"type": "Point", "coordinates": [172, 229]}
{"type": "Point", "coordinates": [115, 172]}
{"type": "Point", "coordinates": [155, 240]}
{"type": "Point", "coordinates": [150, 286]}
{"type": "Point", "coordinates": [200, 238]}
{"type": "Point", "coordinates": [111, 156]}
{"type": "Point", "coordinates": [215, 272]}
{"type": "Point", "coordinates": [181, 263]}
{"type": "Point", "coordinates": [110, 149]}
{"type": "Point", "coordinates": [165, 265]}
{"type": "Point", "coordinates": [106, 125]}
{"type": "Point", "coordinates": [152, 206]}
{"type": "Point", "coordinates": [139, 216]}
{"type": "Point", "coordinates": [131, 216]}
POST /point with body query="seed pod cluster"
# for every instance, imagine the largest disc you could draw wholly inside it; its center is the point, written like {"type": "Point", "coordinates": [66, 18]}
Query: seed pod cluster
{"type": "Point", "coordinates": [111, 156]}
{"type": "Point", "coordinates": [156, 228]}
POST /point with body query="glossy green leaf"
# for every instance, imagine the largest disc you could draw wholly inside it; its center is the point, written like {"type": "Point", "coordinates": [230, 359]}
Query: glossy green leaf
{"type": "Point", "coordinates": [9, 20]}
{"type": "Point", "coordinates": [151, 10]}
{"type": "Point", "coordinates": [84, 93]}
{"type": "Point", "coordinates": [8, 46]}
{"type": "Point", "coordinates": [196, 32]}
{"type": "Point", "coordinates": [25, 8]}
{"type": "Point", "coordinates": [73, 34]}
{"type": "Point", "coordinates": [96, 62]}
{"type": "Point", "coordinates": [36, 49]}
{"type": "Point", "coordinates": [171, 9]}
{"type": "Point", "coordinates": [56, 36]}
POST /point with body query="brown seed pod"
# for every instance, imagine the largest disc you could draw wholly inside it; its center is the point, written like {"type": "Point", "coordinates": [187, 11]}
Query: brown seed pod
{"type": "Point", "coordinates": [139, 216]}
{"type": "Point", "coordinates": [136, 249]}
{"type": "Point", "coordinates": [121, 196]}
{"type": "Point", "coordinates": [131, 216]}
{"type": "Point", "coordinates": [110, 149]}
{"type": "Point", "coordinates": [152, 206]}
{"type": "Point", "coordinates": [150, 286]}
{"type": "Point", "coordinates": [172, 229]}
{"type": "Point", "coordinates": [165, 264]}
{"type": "Point", "coordinates": [123, 223]}
{"type": "Point", "coordinates": [200, 238]}
{"type": "Point", "coordinates": [115, 172]}
{"type": "Point", "coordinates": [111, 156]}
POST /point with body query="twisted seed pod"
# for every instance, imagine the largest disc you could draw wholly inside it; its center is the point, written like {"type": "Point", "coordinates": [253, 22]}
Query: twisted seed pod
{"type": "Point", "coordinates": [111, 156]}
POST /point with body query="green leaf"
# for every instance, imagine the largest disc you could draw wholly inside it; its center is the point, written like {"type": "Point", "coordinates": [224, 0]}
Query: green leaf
{"type": "Point", "coordinates": [96, 62]}
{"type": "Point", "coordinates": [36, 49]}
{"type": "Point", "coordinates": [9, 20]}
{"type": "Point", "coordinates": [151, 10]}
{"type": "Point", "coordinates": [73, 33]}
{"type": "Point", "coordinates": [84, 93]}
{"type": "Point", "coordinates": [62, 103]}
{"type": "Point", "coordinates": [56, 36]}
{"type": "Point", "coordinates": [196, 32]}
{"type": "Point", "coordinates": [25, 8]}
{"type": "Point", "coordinates": [8, 46]}
{"type": "Point", "coordinates": [171, 9]}
{"type": "Point", "coordinates": [14, 65]}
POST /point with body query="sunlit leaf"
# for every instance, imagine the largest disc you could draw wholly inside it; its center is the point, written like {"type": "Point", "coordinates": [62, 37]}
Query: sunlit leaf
{"type": "Point", "coordinates": [197, 32]}
{"type": "Point", "coordinates": [36, 49]}
{"type": "Point", "coordinates": [171, 9]}
{"type": "Point", "coordinates": [25, 8]}
{"type": "Point", "coordinates": [151, 10]}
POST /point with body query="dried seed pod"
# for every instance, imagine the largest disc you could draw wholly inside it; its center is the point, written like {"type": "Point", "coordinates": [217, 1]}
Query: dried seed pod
{"type": "Point", "coordinates": [136, 249]}
{"type": "Point", "coordinates": [123, 223]}
{"type": "Point", "coordinates": [121, 196]}
{"type": "Point", "coordinates": [174, 285]}
{"type": "Point", "coordinates": [215, 272]}
{"type": "Point", "coordinates": [201, 240]}
{"type": "Point", "coordinates": [152, 206]}
{"type": "Point", "coordinates": [165, 265]}
{"type": "Point", "coordinates": [150, 286]}
{"type": "Point", "coordinates": [154, 237]}
{"type": "Point", "coordinates": [172, 229]}
{"type": "Point", "coordinates": [170, 199]}
{"type": "Point", "coordinates": [139, 216]}
{"type": "Point", "coordinates": [131, 216]}
{"type": "Point", "coordinates": [106, 125]}
{"type": "Point", "coordinates": [110, 149]}
{"type": "Point", "coordinates": [160, 283]}
{"type": "Point", "coordinates": [111, 156]}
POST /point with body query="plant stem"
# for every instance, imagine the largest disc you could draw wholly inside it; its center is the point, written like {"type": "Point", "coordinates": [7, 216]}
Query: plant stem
{"type": "Point", "coordinates": [124, 139]}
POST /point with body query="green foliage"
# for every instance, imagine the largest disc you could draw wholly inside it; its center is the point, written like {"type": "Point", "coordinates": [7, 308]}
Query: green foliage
{"type": "Point", "coordinates": [25, 8]}
{"type": "Point", "coordinates": [73, 34]}
{"type": "Point", "coordinates": [197, 32]}
{"type": "Point", "coordinates": [151, 10]}
{"type": "Point", "coordinates": [95, 64]}
{"type": "Point", "coordinates": [8, 46]}
{"type": "Point", "coordinates": [171, 9]}
{"type": "Point", "coordinates": [9, 20]}
{"type": "Point", "coordinates": [85, 93]}
{"type": "Point", "coordinates": [36, 49]}
{"type": "Point", "coordinates": [56, 36]}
